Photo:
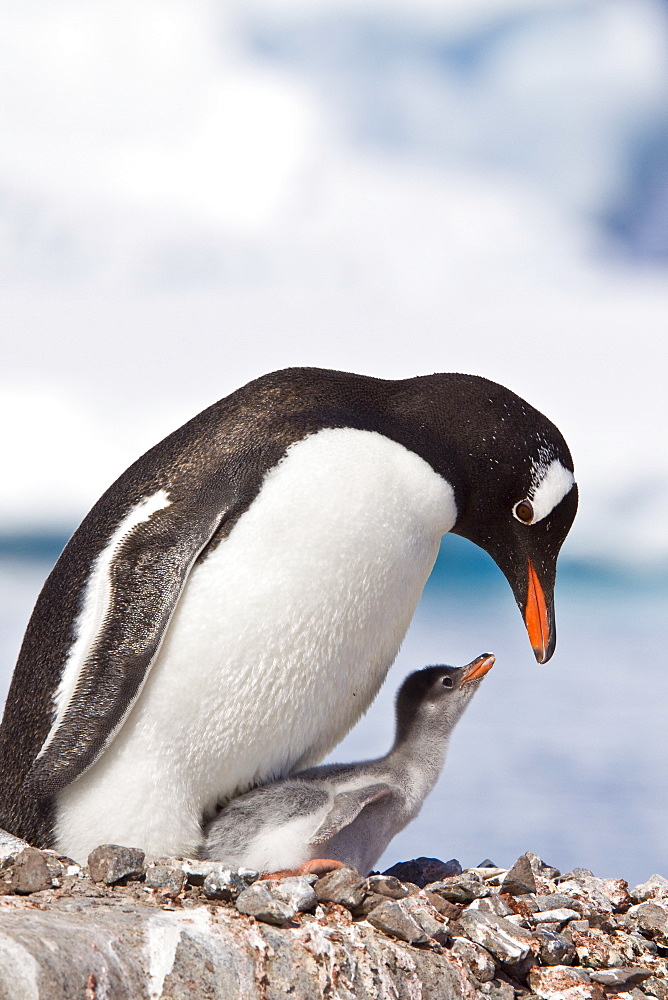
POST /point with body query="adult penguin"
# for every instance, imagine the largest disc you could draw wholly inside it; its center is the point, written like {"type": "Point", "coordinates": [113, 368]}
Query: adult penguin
{"type": "Point", "coordinates": [231, 605]}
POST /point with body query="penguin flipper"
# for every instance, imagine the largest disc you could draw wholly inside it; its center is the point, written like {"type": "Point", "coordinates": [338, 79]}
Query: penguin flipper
{"type": "Point", "coordinates": [141, 589]}
{"type": "Point", "coordinates": [346, 807]}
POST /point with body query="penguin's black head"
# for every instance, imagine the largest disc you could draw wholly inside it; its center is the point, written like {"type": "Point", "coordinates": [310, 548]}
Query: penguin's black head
{"type": "Point", "coordinates": [515, 492]}
{"type": "Point", "coordinates": [439, 695]}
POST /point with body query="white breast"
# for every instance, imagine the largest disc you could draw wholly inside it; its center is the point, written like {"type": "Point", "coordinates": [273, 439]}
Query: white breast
{"type": "Point", "coordinates": [280, 641]}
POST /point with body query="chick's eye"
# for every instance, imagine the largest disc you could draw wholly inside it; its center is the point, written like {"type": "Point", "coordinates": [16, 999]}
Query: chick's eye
{"type": "Point", "coordinates": [448, 682]}
{"type": "Point", "coordinates": [524, 511]}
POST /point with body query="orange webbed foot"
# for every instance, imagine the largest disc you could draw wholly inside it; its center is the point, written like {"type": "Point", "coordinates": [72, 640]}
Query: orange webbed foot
{"type": "Point", "coordinates": [317, 866]}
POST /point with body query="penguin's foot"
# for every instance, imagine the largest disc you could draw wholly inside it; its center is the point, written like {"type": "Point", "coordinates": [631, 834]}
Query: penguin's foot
{"type": "Point", "coordinates": [317, 866]}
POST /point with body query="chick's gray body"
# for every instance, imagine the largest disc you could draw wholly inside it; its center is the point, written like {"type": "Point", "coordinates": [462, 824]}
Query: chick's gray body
{"type": "Point", "coordinates": [350, 812]}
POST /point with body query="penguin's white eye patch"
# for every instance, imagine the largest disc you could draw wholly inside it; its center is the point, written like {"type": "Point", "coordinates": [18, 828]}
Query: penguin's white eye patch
{"type": "Point", "coordinates": [549, 489]}
{"type": "Point", "coordinates": [523, 511]}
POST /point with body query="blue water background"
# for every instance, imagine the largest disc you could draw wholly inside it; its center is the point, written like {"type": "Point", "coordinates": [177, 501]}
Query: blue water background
{"type": "Point", "coordinates": [565, 759]}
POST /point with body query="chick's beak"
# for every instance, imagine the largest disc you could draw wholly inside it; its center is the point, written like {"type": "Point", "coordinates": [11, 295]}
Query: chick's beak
{"type": "Point", "coordinates": [479, 667]}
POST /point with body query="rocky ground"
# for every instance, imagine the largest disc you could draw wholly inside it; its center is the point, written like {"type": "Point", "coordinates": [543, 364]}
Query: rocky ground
{"type": "Point", "coordinates": [178, 928]}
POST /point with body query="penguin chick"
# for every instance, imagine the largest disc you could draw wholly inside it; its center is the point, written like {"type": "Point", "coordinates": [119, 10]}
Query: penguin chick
{"type": "Point", "coordinates": [346, 814]}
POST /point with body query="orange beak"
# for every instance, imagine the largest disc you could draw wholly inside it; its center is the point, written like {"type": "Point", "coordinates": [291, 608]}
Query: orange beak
{"type": "Point", "coordinates": [536, 617]}
{"type": "Point", "coordinates": [479, 667]}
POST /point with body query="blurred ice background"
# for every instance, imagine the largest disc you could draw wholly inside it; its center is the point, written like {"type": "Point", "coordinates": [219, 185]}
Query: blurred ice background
{"type": "Point", "coordinates": [193, 193]}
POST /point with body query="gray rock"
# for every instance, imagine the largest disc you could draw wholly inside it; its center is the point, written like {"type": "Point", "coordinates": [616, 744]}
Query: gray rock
{"type": "Point", "coordinates": [296, 891]}
{"type": "Point", "coordinates": [603, 894]}
{"type": "Point", "coordinates": [110, 862]}
{"type": "Point", "coordinates": [172, 880]}
{"type": "Point", "coordinates": [528, 903]}
{"type": "Point", "coordinates": [444, 907]}
{"type": "Point", "coordinates": [422, 871]}
{"type": "Point", "coordinates": [503, 939]}
{"type": "Point", "coordinates": [493, 904]}
{"type": "Point", "coordinates": [477, 958]}
{"type": "Point", "coordinates": [656, 987]}
{"type": "Point", "coordinates": [555, 900]}
{"type": "Point", "coordinates": [10, 847]}
{"type": "Point", "coordinates": [582, 926]}
{"type": "Point", "coordinates": [621, 975]}
{"type": "Point", "coordinates": [520, 878]}
{"type": "Point", "coordinates": [652, 919]}
{"type": "Point", "coordinates": [343, 886]}
{"type": "Point", "coordinates": [370, 902]}
{"type": "Point", "coordinates": [559, 982]}
{"type": "Point", "coordinates": [554, 949]}
{"type": "Point", "coordinates": [576, 873]}
{"type": "Point", "coordinates": [428, 917]}
{"type": "Point", "coordinates": [461, 888]}
{"type": "Point", "coordinates": [196, 870]}
{"type": "Point", "coordinates": [224, 884]}
{"type": "Point", "coordinates": [656, 886]}
{"type": "Point", "coordinates": [259, 902]}
{"type": "Point", "coordinates": [560, 916]}
{"type": "Point", "coordinates": [392, 918]}
{"type": "Point", "coordinates": [249, 875]}
{"type": "Point", "coordinates": [387, 885]}
{"type": "Point", "coordinates": [30, 872]}
{"type": "Point", "coordinates": [497, 990]}
{"type": "Point", "coordinates": [540, 869]}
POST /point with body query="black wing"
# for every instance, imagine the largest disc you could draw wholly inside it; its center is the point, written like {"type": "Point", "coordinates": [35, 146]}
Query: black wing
{"type": "Point", "coordinates": [142, 588]}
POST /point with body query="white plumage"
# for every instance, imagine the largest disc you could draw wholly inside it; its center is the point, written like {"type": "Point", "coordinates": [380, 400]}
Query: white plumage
{"type": "Point", "coordinates": [278, 644]}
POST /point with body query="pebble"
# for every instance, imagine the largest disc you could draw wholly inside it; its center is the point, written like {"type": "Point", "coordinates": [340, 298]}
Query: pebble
{"type": "Point", "coordinates": [618, 977]}
{"type": "Point", "coordinates": [558, 916]}
{"type": "Point", "coordinates": [461, 888]}
{"type": "Point", "coordinates": [10, 847]}
{"type": "Point", "coordinates": [427, 916]}
{"type": "Point", "coordinates": [520, 878]}
{"type": "Point", "coordinates": [656, 987]}
{"type": "Point", "coordinates": [387, 885]}
{"type": "Point", "coordinates": [653, 918]}
{"type": "Point", "coordinates": [504, 940]}
{"type": "Point", "coordinates": [554, 900]}
{"type": "Point", "coordinates": [110, 862]}
{"type": "Point", "coordinates": [493, 904]}
{"type": "Point", "coordinates": [477, 958]}
{"type": "Point", "coordinates": [259, 901]}
{"type": "Point", "coordinates": [296, 891]}
{"type": "Point", "coordinates": [371, 901]}
{"type": "Point", "coordinates": [656, 887]}
{"type": "Point", "coordinates": [196, 871]}
{"type": "Point", "coordinates": [445, 908]}
{"type": "Point", "coordinates": [541, 870]}
{"type": "Point", "coordinates": [422, 871]}
{"type": "Point", "coordinates": [224, 884]}
{"type": "Point", "coordinates": [562, 982]}
{"type": "Point", "coordinates": [392, 918]}
{"type": "Point", "coordinates": [30, 872]}
{"type": "Point", "coordinates": [165, 877]}
{"type": "Point", "coordinates": [554, 949]}
{"type": "Point", "coordinates": [343, 886]}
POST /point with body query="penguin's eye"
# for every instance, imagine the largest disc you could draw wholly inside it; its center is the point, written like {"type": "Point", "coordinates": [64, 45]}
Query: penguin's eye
{"type": "Point", "coordinates": [524, 511]}
{"type": "Point", "coordinates": [448, 682]}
